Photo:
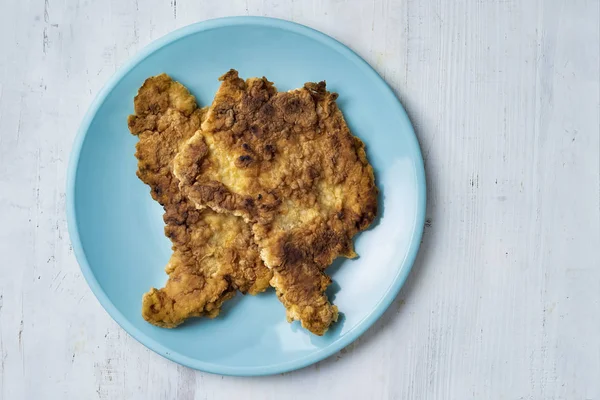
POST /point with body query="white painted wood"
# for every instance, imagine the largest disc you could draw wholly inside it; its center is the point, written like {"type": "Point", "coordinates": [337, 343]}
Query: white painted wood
{"type": "Point", "coordinates": [504, 301]}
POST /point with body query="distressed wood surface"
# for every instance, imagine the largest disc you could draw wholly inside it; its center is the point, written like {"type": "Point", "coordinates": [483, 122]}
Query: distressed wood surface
{"type": "Point", "coordinates": [504, 300]}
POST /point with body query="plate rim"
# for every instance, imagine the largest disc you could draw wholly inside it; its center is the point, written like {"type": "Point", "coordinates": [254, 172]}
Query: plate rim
{"type": "Point", "coordinates": [156, 346]}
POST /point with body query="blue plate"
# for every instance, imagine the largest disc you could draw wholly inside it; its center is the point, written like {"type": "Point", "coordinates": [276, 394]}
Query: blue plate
{"type": "Point", "coordinates": [117, 229]}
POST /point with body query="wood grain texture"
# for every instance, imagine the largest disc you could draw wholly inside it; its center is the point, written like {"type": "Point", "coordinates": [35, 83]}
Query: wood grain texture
{"type": "Point", "coordinates": [504, 300]}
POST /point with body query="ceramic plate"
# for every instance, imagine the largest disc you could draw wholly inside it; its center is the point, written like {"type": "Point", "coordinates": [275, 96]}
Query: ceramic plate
{"type": "Point", "coordinates": [117, 229]}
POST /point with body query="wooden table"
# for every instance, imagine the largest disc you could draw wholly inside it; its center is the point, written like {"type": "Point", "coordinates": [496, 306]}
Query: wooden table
{"type": "Point", "coordinates": [504, 300]}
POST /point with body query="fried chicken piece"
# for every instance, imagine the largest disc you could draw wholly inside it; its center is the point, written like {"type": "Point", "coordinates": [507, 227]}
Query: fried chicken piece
{"type": "Point", "coordinates": [213, 254]}
{"type": "Point", "coordinates": [287, 163]}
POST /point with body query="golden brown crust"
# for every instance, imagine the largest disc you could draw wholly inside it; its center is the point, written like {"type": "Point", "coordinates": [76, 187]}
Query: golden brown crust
{"type": "Point", "coordinates": [287, 163]}
{"type": "Point", "coordinates": [213, 254]}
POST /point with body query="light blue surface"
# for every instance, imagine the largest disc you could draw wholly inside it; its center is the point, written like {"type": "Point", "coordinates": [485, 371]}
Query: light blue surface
{"type": "Point", "coordinates": [117, 230]}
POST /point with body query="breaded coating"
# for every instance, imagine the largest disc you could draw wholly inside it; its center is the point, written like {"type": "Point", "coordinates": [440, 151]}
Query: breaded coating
{"type": "Point", "coordinates": [288, 164]}
{"type": "Point", "coordinates": [213, 254]}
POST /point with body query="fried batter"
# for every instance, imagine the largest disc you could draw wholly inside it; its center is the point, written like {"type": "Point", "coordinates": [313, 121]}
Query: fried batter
{"type": "Point", "coordinates": [287, 163]}
{"type": "Point", "coordinates": [213, 254]}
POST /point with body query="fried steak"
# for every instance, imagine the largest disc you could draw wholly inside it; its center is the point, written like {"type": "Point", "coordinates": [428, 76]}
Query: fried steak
{"type": "Point", "coordinates": [213, 254]}
{"type": "Point", "coordinates": [288, 164]}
